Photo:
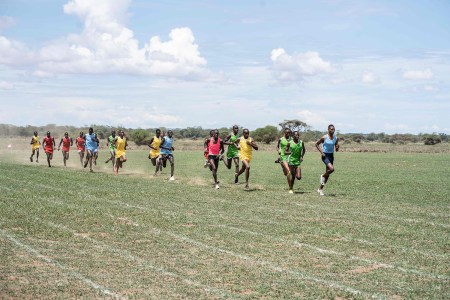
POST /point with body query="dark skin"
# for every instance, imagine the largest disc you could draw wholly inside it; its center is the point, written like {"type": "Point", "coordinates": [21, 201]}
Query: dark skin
{"type": "Point", "coordinates": [34, 150]}
{"type": "Point", "coordinates": [171, 158]}
{"type": "Point", "coordinates": [212, 164]}
{"type": "Point", "coordinates": [81, 154]}
{"type": "Point", "coordinates": [329, 167]}
{"type": "Point", "coordinates": [155, 160]}
{"type": "Point", "coordinates": [49, 155]}
{"type": "Point", "coordinates": [122, 159]}
{"type": "Point", "coordinates": [284, 164]}
{"type": "Point", "coordinates": [295, 172]}
{"type": "Point", "coordinates": [246, 164]}
{"type": "Point", "coordinates": [227, 161]}
{"type": "Point", "coordinates": [113, 155]}
{"type": "Point", "coordinates": [89, 154]}
{"type": "Point", "coordinates": [65, 153]}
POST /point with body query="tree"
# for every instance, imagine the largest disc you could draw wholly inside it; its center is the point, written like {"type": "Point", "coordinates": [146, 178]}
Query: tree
{"type": "Point", "coordinates": [294, 125]}
{"type": "Point", "coordinates": [266, 134]}
{"type": "Point", "coordinates": [140, 136]}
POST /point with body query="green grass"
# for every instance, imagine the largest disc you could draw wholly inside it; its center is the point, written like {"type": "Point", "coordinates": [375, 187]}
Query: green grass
{"type": "Point", "coordinates": [381, 231]}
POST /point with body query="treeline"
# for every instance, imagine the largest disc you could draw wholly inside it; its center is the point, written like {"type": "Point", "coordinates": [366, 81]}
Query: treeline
{"type": "Point", "coordinates": [267, 134]}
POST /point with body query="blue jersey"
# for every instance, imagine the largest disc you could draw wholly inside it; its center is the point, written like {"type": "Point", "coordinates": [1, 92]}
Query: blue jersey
{"type": "Point", "coordinates": [168, 142]}
{"type": "Point", "coordinates": [328, 144]}
{"type": "Point", "coordinates": [91, 142]}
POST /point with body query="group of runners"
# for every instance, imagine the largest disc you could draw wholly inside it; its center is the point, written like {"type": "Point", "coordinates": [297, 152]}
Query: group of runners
{"type": "Point", "coordinates": [86, 144]}
{"type": "Point", "coordinates": [291, 150]}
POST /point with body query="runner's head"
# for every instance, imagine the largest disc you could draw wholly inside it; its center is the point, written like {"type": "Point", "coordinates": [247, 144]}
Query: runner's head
{"type": "Point", "coordinates": [287, 132]}
{"type": "Point", "coordinates": [245, 133]}
{"type": "Point", "coordinates": [81, 134]}
{"type": "Point", "coordinates": [296, 136]}
{"type": "Point", "coordinates": [48, 133]}
{"type": "Point", "coordinates": [121, 133]}
{"type": "Point", "coordinates": [66, 134]}
{"type": "Point", "coordinates": [216, 134]}
{"type": "Point", "coordinates": [211, 132]}
{"type": "Point", "coordinates": [35, 133]}
{"type": "Point", "coordinates": [91, 130]}
{"type": "Point", "coordinates": [170, 133]}
{"type": "Point", "coordinates": [235, 129]}
{"type": "Point", "coordinates": [158, 132]}
{"type": "Point", "coordinates": [331, 129]}
{"type": "Point", "coordinates": [113, 133]}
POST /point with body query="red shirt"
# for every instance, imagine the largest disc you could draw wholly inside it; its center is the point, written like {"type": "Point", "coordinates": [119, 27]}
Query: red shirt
{"type": "Point", "coordinates": [80, 144]}
{"type": "Point", "coordinates": [214, 148]}
{"type": "Point", "coordinates": [66, 144]}
{"type": "Point", "coordinates": [48, 144]}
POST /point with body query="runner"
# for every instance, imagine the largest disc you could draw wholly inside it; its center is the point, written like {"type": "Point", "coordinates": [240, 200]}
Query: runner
{"type": "Point", "coordinates": [166, 152]}
{"type": "Point", "coordinates": [281, 146]}
{"type": "Point", "coordinates": [35, 144]}
{"type": "Point", "coordinates": [246, 145]}
{"type": "Point", "coordinates": [49, 146]}
{"type": "Point", "coordinates": [297, 149]}
{"type": "Point", "coordinates": [66, 141]}
{"type": "Point", "coordinates": [121, 144]}
{"type": "Point", "coordinates": [155, 151]}
{"type": "Point", "coordinates": [206, 151]}
{"type": "Point", "coordinates": [329, 142]}
{"type": "Point", "coordinates": [232, 151]}
{"type": "Point", "coordinates": [112, 148]}
{"type": "Point", "coordinates": [91, 143]}
{"type": "Point", "coordinates": [80, 146]}
{"type": "Point", "coordinates": [215, 149]}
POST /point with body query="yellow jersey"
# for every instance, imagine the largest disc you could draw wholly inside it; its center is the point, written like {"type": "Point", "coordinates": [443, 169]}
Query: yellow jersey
{"type": "Point", "coordinates": [35, 143]}
{"type": "Point", "coordinates": [155, 144]}
{"type": "Point", "coordinates": [120, 146]}
{"type": "Point", "coordinates": [246, 149]}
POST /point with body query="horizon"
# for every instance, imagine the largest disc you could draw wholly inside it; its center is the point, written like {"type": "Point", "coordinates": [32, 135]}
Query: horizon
{"type": "Point", "coordinates": [364, 66]}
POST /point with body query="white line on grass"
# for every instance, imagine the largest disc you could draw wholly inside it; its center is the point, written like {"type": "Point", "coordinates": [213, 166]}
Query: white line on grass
{"type": "Point", "coordinates": [74, 274]}
{"type": "Point", "coordinates": [128, 255]}
{"type": "Point", "coordinates": [336, 253]}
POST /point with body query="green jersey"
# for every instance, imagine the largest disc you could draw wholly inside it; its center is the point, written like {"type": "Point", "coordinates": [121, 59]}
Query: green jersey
{"type": "Point", "coordinates": [296, 152]}
{"type": "Point", "coordinates": [283, 143]}
{"type": "Point", "coordinates": [232, 151]}
{"type": "Point", "coordinates": [111, 145]}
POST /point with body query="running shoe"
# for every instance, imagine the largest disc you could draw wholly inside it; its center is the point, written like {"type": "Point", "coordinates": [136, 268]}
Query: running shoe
{"type": "Point", "coordinates": [320, 192]}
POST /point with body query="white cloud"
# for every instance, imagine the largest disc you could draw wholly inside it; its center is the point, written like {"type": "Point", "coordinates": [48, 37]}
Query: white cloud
{"type": "Point", "coordinates": [369, 78]}
{"type": "Point", "coordinates": [315, 120]}
{"type": "Point", "coordinates": [4, 85]}
{"type": "Point", "coordinates": [6, 21]}
{"type": "Point", "coordinates": [418, 75]}
{"type": "Point", "coordinates": [291, 68]}
{"type": "Point", "coordinates": [106, 45]}
{"type": "Point", "coordinates": [431, 88]}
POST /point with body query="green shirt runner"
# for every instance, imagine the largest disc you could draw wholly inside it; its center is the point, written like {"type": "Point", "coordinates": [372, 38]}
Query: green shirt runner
{"type": "Point", "coordinates": [232, 151]}
{"type": "Point", "coordinates": [296, 152]}
{"type": "Point", "coordinates": [112, 146]}
{"type": "Point", "coordinates": [283, 144]}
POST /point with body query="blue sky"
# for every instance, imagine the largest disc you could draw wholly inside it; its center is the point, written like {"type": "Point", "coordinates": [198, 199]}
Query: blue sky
{"type": "Point", "coordinates": [365, 66]}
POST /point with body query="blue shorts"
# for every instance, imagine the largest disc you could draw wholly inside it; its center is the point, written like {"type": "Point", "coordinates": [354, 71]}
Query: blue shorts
{"type": "Point", "coordinates": [328, 158]}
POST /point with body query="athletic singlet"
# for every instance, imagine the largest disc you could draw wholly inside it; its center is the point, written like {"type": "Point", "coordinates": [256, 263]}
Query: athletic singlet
{"type": "Point", "coordinates": [111, 145]}
{"type": "Point", "coordinates": [120, 146]}
{"type": "Point", "coordinates": [246, 149]}
{"type": "Point", "coordinates": [214, 148]}
{"type": "Point", "coordinates": [296, 152]}
{"type": "Point", "coordinates": [66, 144]}
{"type": "Point", "coordinates": [36, 143]}
{"type": "Point", "coordinates": [168, 142]}
{"type": "Point", "coordinates": [232, 151]}
{"type": "Point", "coordinates": [48, 144]}
{"type": "Point", "coordinates": [80, 144]}
{"type": "Point", "coordinates": [328, 144]}
{"type": "Point", "coordinates": [91, 143]}
{"type": "Point", "coordinates": [283, 143]}
{"type": "Point", "coordinates": [155, 144]}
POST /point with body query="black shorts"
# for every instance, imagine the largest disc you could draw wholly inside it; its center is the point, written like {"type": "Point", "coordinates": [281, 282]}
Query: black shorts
{"type": "Point", "coordinates": [215, 158]}
{"type": "Point", "coordinates": [328, 158]}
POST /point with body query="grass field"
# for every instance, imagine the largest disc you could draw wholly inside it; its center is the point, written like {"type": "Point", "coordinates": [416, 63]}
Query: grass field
{"type": "Point", "coordinates": [381, 231]}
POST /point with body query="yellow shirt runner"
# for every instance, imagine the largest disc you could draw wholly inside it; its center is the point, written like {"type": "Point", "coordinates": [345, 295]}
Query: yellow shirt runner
{"type": "Point", "coordinates": [36, 143]}
{"type": "Point", "coordinates": [246, 149]}
{"type": "Point", "coordinates": [120, 147]}
{"type": "Point", "coordinates": [156, 143]}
